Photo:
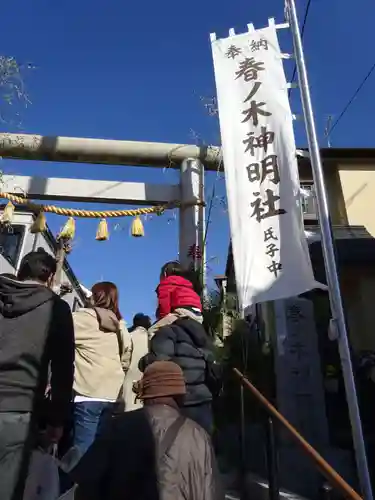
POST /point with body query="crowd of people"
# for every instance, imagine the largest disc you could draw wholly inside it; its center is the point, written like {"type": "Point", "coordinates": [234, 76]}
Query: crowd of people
{"type": "Point", "coordinates": [128, 410]}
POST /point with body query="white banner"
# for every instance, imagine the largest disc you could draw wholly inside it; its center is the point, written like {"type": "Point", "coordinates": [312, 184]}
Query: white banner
{"type": "Point", "coordinates": [270, 252]}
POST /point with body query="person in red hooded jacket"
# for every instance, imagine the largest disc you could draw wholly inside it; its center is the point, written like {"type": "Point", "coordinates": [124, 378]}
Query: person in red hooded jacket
{"type": "Point", "coordinates": [176, 297]}
{"type": "Point", "coordinates": [179, 336]}
{"type": "Point", "coordinates": [176, 292]}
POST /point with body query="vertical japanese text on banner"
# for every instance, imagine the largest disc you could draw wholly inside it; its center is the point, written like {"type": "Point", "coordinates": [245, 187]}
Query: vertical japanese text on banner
{"type": "Point", "coordinates": [266, 202]}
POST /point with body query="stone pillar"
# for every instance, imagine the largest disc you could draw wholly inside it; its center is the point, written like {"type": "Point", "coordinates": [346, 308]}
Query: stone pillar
{"type": "Point", "coordinates": [192, 222]}
{"type": "Point", "coordinates": [300, 392]}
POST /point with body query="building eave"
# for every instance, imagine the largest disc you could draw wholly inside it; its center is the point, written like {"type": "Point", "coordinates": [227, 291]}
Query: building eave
{"type": "Point", "coordinates": [344, 155]}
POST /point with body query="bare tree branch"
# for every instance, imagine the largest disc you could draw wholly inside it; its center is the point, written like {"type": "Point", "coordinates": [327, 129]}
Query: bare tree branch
{"type": "Point", "coordinates": [13, 92]}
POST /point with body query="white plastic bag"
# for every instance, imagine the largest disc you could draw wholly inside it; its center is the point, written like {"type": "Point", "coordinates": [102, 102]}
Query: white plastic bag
{"type": "Point", "coordinates": [43, 479]}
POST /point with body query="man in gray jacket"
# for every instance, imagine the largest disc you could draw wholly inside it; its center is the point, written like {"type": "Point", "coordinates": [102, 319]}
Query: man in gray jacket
{"type": "Point", "coordinates": [153, 453]}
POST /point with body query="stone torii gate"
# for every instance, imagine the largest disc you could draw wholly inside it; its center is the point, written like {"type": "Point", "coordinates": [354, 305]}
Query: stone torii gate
{"type": "Point", "coordinates": [191, 160]}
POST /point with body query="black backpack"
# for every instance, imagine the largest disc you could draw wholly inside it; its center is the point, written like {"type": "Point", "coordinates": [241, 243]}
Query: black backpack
{"type": "Point", "coordinates": [213, 369]}
{"type": "Point", "coordinates": [213, 372]}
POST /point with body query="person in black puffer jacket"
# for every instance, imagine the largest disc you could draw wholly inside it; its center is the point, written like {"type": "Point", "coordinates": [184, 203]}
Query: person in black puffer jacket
{"type": "Point", "coordinates": [187, 344]}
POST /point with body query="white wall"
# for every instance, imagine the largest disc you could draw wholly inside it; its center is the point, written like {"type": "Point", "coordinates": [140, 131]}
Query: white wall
{"type": "Point", "coordinates": [29, 243]}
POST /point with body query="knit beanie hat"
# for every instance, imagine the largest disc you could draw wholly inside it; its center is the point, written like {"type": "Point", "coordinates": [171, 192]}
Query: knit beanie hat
{"type": "Point", "coordinates": [161, 379]}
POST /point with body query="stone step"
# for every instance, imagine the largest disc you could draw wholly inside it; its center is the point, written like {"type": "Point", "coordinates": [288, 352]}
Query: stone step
{"type": "Point", "coordinates": [256, 488]}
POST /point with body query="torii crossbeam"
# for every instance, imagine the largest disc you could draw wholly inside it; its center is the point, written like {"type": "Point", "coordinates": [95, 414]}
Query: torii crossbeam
{"type": "Point", "coordinates": [191, 160]}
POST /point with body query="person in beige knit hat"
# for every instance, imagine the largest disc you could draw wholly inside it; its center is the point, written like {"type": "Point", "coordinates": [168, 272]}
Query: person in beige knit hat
{"type": "Point", "coordinates": [153, 453]}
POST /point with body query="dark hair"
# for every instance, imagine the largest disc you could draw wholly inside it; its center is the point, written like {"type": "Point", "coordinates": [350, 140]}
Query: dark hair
{"type": "Point", "coordinates": [141, 319]}
{"type": "Point", "coordinates": [38, 265]}
{"type": "Point", "coordinates": [173, 268]}
{"type": "Point", "coordinates": [105, 295]}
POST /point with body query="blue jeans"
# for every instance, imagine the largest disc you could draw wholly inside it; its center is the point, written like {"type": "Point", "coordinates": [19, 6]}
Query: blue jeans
{"type": "Point", "coordinates": [89, 419]}
{"type": "Point", "coordinates": [201, 414]}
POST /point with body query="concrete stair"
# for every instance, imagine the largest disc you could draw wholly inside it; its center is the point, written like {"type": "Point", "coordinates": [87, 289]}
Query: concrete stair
{"type": "Point", "coordinates": [256, 488]}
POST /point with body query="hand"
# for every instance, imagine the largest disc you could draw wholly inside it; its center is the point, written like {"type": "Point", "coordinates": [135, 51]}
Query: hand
{"type": "Point", "coordinates": [54, 434]}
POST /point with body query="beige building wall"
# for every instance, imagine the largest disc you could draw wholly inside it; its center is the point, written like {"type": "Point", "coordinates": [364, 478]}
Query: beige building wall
{"type": "Point", "coordinates": [358, 190]}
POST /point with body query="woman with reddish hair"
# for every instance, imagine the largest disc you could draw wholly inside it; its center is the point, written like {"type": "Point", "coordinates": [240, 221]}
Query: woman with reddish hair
{"type": "Point", "coordinates": [102, 356]}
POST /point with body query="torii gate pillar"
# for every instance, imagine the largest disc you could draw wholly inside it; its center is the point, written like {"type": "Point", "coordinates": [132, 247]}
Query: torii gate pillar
{"type": "Point", "coordinates": [192, 213]}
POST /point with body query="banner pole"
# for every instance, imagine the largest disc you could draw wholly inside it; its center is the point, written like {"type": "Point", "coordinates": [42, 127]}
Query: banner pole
{"type": "Point", "coordinates": [329, 256]}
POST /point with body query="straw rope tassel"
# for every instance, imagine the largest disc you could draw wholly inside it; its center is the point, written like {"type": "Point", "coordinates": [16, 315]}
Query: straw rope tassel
{"type": "Point", "coordinates": [40, 224]}
{"type": "Point", "coordinates": [7, 216]}
{"type": "Point", "coordinates": [69, 229]}
{"type": "Point", "coordinates": [137, 229]}
{"type": "Point", "coordinates": [102, 234]}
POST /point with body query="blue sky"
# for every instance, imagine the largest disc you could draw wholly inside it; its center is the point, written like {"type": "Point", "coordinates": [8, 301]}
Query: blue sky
{"type": "Point", "coordinates": [136, 71]}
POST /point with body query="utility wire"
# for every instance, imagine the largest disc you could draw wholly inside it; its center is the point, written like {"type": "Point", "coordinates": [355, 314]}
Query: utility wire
{"type": "Point", "coordinates": [302, 33]}
{"type": "Point", "coordinates": [350, 102]}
